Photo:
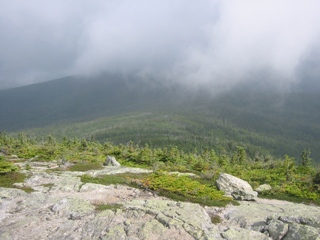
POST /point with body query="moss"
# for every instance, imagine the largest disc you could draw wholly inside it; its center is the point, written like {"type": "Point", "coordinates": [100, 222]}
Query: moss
{"type": "Point", "coordinates": [26, 189]}
{"type": "Point", "coordinates": [48, 185]}
{"type": "Point", "coordinates": [216, 219]}
{"type": "Point", "coordinates": [102, 207]}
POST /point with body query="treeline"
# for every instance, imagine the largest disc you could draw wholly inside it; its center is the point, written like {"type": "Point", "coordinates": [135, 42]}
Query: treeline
{"type": "Point", "coordinates": [288, 178]}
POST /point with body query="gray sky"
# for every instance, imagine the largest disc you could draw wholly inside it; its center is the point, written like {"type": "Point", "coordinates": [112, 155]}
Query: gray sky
{"type": "Point", "coordinates": [216, 43]}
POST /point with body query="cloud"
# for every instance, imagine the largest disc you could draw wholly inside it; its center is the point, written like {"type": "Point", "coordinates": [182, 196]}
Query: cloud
{"type": "Point", "coordinates": [143, 35]}
{"type": "Point", "coordinates": [256, 37]}
{"type": "Point", "coordinates": [37, 41]}
{"type": "Point", "coordinates": [209, 43]}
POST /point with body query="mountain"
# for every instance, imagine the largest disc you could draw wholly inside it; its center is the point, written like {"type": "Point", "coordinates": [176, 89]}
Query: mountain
{"type": "Point", "coordinates": [120, 109]}
{"type": "Point", "coordinates": [70, 99]}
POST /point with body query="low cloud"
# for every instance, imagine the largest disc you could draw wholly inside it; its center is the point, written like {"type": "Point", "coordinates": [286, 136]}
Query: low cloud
{"type": "Point", "coordinates": [212, 43]}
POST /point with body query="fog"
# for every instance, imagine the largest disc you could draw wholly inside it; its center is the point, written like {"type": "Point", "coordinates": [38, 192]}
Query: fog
{"type": "Point", "coordinates": [212, 44]}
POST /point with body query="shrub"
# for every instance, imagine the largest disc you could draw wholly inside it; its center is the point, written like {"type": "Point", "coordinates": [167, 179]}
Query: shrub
{"type": "Point", "coordinates": [316, 178]}
{"type": "Point", "coordinates": [6, 167]}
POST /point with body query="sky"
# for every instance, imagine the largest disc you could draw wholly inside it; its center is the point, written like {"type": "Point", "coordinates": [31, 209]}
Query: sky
{"type": "Point", "coordinates": [214, 44]}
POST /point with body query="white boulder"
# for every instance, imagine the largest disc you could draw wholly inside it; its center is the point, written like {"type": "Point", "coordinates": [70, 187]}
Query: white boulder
{"type": "Point", "coordinates": [236, 187]}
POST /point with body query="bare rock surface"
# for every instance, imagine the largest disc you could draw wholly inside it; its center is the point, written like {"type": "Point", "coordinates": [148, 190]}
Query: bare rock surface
{"type": "Point", "coordinates": [62, 207]}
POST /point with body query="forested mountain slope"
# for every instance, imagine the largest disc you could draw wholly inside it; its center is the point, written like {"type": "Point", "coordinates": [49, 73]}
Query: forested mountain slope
{"type": "Point", "coordinates": [119, 109]}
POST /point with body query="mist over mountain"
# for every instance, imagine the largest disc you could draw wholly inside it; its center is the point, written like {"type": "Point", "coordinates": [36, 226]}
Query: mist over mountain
{"type": "Point", "coordinates": [209, 44]}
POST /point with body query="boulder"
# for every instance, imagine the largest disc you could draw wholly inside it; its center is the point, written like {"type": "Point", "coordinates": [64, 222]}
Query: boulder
{"type": "Point", "coordinates": [111, 161]}
{"type": "Point", "coordinates": [263, 188]}
{"type": "Point", "coordinates": [236, 187]}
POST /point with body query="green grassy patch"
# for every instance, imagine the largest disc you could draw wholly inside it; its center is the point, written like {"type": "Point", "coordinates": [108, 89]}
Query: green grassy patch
{"type": "Point", "coordinates": [183, 188]}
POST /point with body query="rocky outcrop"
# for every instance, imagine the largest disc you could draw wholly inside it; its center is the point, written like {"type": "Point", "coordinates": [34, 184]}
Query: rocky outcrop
{"type": "Point", "coordinates": [236, 187]}
{"type": "Point", "coordinates": [111, 161]}
{"type": "Point", "coordinates": [59, 213]}
{"type": "Point", "coordinates": [62, 207]}
{"type": "Point", "coordinates": [273, 218]}
{"type": "Point", "coordinates": [280, 228]}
